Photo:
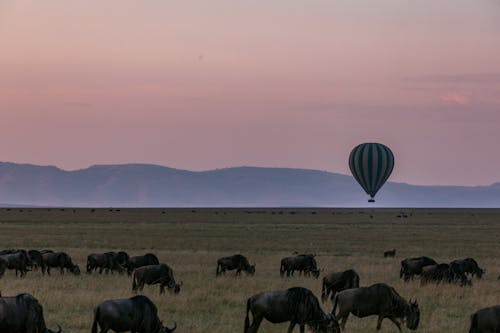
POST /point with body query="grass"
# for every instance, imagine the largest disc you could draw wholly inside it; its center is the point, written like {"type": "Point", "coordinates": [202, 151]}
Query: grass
{"type": "Point", "coordinates": [191, 240]}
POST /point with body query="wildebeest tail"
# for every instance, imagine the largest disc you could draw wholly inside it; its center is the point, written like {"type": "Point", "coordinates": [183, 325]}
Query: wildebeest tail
{"type": "Point", "coordinates": [96, 319]}
{"type": "Point", "coordinates": [355, 281]}
{"type": "Point", "coordinates": [323, 291]}
{"type": "Point", "coordinates": [217, 271]}
{"type": "Point", "coordinates": [134, 282]}
{"type": "Point", "coordinates": [282, 270]}
{"type": "Point", "coordinates": [247, 320]}
{"type": "Point", "coordinates": [473, 323]}
{"type": "Point", "coordinates": [335, 301]}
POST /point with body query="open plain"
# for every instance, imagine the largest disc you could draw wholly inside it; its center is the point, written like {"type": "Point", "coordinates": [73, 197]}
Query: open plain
{"type": "Point", "coordinates": [191, 240]}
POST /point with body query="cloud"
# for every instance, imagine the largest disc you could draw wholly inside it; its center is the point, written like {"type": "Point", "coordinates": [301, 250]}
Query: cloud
{"type": "Point", "coordinates": [454, 98]}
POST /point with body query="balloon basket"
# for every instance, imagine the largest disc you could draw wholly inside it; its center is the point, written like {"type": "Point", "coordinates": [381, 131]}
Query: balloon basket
{"type": "Point", "coordinates": [371, 200]}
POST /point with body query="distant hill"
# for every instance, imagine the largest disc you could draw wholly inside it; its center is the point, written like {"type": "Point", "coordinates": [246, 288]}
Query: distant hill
{"type": "Point", "coordinates": [142, 185]}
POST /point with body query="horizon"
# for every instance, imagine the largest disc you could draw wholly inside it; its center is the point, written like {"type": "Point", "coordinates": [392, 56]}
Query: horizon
{"type": "Point", "coordinates": [200, 86]}
{"type": "Point", "coordinates": [236, 167]}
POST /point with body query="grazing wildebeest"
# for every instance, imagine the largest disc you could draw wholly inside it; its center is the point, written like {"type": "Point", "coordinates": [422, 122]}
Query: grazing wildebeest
{"type": "Point", "coordinates": [17, 260]}
{"type": "Point", "coordinates": [139, 261]}
{"type": "Point", "coordinates": [390, 253]}
{"type": "Point", "coordinates": [155, 274]}
{"type": "Point", "coordinates": [36, 259]}
{"type": "Point", "coordinates": [338, 281]}
{"type": "Point", "coordinates": [443, 273]}
{"type": "Point", "coordinates": [108, 261]}
{"type": "Point", "coordinates": [136, 314]}
{"type": "Point", "coordinates": [238, 262]}
{"type": "Point", "coordinates": [411, 267]}
{"type": "Point", "coordinates": [304, 263]}
{"type": "Point", "coordinates": [378, 299]}
{"type": "Point", "coordinates": [22, 314]}
{"type": "Point", "coordinates": [59, 260]}
{"type": "Point", "coordinates": [486, 320]}
{"type": "Point", "coordinates": [297, 305]}
{"type": "Point", "coordinates": [468, 266]}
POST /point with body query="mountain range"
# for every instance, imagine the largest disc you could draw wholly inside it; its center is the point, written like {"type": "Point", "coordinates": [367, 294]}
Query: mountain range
{"type": "Point", "coordinates": [146, 185]}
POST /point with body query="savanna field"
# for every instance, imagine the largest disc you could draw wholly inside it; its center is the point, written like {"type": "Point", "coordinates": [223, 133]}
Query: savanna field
{"type": "Point", "coordinates": [191, 241]}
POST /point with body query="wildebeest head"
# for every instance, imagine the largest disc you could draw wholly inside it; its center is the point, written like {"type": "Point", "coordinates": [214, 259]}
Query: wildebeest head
{"type": "Point", "coordinates": [329, 325]}
{"type": "Point", "coordinates": [412, 317]}
{"type": "Point", "coordinates": [315, 273]}
{"type": "Point", "coordinates": [251, 269]}
{"type": "Point", "coordinates": [75, 269]}
{"type": "Point", "coordinates": [165, 329]}
{"type": "Point", "coordinates": [177, 287]}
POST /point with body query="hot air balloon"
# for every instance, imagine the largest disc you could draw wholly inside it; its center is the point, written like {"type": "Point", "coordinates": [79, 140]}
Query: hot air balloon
{"type": "Point", "coordinates": [371, 165]}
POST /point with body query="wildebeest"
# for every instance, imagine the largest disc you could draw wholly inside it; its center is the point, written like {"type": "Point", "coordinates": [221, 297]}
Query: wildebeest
{"type": "Point", "coordinates": [468, 266]}
{"type": "Point", "coordinates": [378, 299]}
{"type": "Point", "coordinates": [59, 260]}
{"type": "Point", "coordinates": [413, 266]}
{"type": "Point", "coordinates": [155, 274]}
{"type": "Point", "coordinates": [338, 281]}
{"type": "Point", "coordinates": [108, 261]}
{"type": "Point", "coordinates": [17, 260]}
{"type": "Point", "coordinates": [139, 261]}
{"type": "Point", "coordinates": [297, 305]}
{"type": "Point", "coordinates": [390, 253]}
{"type": "Point", "coordinates": [443, 273]}
{"type": "Point", "coordinates": [22, 314]}
{"type": "Point", "coordinates": [303, 263]}
{"type": "Point", "coordinates": [36, 259]}
{"type": "Point", "coordinates": [136, 314]}
{"type": "Point", "coordinates": [237, 262]}
{"type": "Point", "coordinates": [486, 320]}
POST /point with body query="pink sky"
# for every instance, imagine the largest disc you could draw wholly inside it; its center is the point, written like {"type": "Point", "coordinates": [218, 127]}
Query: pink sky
{"type": "Point", "coordinates": [213, 84]}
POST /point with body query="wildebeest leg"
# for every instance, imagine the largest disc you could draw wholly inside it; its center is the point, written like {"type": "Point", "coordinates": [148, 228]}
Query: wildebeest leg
{"type": "Point", "coordinates": [255, 324]}
{"type": "Point", "coordinates": [292, 326]}
{"type": "Point", "coordinates": [48, 270]}
{"type": "Point", "coordinates": [238, 272]}
{"type": "Point", "coordinates": [343, 321]}
{"type": "Point", "coordinates": [379, 322]}
{"type": "Point", "coordinates": [396, 322]}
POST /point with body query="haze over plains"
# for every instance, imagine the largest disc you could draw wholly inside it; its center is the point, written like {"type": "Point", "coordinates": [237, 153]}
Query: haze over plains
{"type": "Point", "coordinates": [210, 84]}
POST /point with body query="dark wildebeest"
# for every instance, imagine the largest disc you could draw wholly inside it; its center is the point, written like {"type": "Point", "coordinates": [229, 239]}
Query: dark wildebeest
{"type": "Point", "coordinates": [237, 262]}
{"type": "Point", "coordinates": [338, 281]}
{"type": "Point", "coordinates": [59, 260]}
{"type": "Point", "coordinates": [22, 314]}
{"type": "Point", "coordinates": [155, 274]}
{"type": "Point", "coordinates": [136, 314]}
{"type": "Point", "coordinates": [108, 261]}
{"type": "Point", "coordinates": [468, 266]}
{"type": "Point", "coordinates": [486, 320]}
{"type": "Point", "coordinates": [378, 299]}
{"type": "Point", "coordinates": [297, 305]}
{"type": "Point", "coordinates": [390, 253]}
{"type": "Point", "coordinates": [443, 273]}
{"type": "Point", "coordinates": [36, 259]}
{"type": "Point", "coordinates": [411, 267]}
{"type": "Point", "coordinates": [17, 260]}
{"type": "Point", "coordinates": [304, 263]}
{"type": "Point", "coordinates": [139, 261]}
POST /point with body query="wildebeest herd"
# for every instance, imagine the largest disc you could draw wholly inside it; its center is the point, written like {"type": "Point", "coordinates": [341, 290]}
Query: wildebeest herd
{"type": "Point", "coordinates": [298, 306]}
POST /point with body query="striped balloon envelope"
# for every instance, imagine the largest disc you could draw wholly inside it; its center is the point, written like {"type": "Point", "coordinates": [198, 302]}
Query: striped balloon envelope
{"type": "Point", "coordinates": [371, 165]}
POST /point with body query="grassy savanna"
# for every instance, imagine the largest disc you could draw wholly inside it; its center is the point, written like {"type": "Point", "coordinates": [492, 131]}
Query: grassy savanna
{"type": "Point", "coordinates": [191, 240]}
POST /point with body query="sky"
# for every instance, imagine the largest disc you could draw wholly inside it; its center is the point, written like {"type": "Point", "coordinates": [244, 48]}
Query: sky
{"type": "Point", "coordinates": [212, 84]}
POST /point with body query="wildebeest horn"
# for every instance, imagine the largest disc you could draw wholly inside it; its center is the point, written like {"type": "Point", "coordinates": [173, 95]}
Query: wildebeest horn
{"type": "Point", "coordinates": [59, 330]}
{"type": "Point", "coordinates": [413, 301]}
{"type": "Point", "coordinates": [170, 330]}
